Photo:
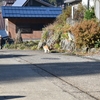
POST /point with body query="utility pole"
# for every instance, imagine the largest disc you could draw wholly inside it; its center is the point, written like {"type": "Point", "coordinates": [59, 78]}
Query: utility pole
{"type": "Point", "coordinates": [88, 4]}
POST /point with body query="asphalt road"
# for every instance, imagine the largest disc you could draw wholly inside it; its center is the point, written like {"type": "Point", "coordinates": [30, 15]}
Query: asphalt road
{"type": "Point", "coordinates": [34, 75]}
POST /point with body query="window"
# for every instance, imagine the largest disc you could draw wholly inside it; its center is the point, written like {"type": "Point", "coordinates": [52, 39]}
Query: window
{"type": "Point", "coordinates": [29, 27]}
{"type": "Point", "coordinates": [24, 28]}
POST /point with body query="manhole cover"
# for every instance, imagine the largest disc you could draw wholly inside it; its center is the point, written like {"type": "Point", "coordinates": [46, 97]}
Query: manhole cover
{"type": "Point", "coordinates": [51, 58]}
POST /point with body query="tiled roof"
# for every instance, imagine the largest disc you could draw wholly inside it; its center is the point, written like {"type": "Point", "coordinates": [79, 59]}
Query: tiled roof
{"type": "Point", "coordinates": [30, 12]}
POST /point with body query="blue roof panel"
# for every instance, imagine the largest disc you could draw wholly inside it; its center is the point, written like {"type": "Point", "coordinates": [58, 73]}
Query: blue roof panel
{"type": "Point", "coordinates": [34, 12]}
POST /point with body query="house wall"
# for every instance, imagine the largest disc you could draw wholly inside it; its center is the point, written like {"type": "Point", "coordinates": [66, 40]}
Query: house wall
{"type": "Point", "coordinates": [11, 29]}
{"type": "Point", "coordinates": [36, 31]}
{"type": "Point", "coordinates": [35, 35]}
{"type": "Point", "coordinates": [97, 8]}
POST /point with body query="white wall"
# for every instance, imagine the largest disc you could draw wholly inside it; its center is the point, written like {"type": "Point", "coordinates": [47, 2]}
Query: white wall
{"type": "Point", "coordinates": [97, 9]}
{"type": "Point", "coordinates": [6, 26]}
{"type": "Point", "coordinates": [85, 2]}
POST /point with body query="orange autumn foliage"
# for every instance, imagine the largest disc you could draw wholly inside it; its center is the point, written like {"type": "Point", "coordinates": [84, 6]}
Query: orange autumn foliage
{"type": "Point", "coordinates": [86, 33]}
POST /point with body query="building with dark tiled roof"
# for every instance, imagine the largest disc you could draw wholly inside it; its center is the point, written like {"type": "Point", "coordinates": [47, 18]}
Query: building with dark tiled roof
{"type": "Point", "coordinates": [30, 17]}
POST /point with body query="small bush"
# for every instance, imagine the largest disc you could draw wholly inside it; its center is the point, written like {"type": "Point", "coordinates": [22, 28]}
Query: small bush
{"type": "Point", "coordinates": [97, 44]}
{"type": "Point", "coordinates": [34, 47]}
{"type": "Point", "coordinates": [89, 14]}
{"type": "Point", "coordinates": [64, 36]}
{"type": "Point", "coordinates": [6, 45]}
{"type": "Point", "coordinates": [79, 12]}
{"type": "Point", "coordinates": [44, 35]}
{"type": "Point", "coordinates": [56, 46]}
{"type": "Point", "coordinates": [86, 33]}
{"type": "Point", "coordinates": [65, 14]}
{"type": "Point", "coordinates": [22, 46]}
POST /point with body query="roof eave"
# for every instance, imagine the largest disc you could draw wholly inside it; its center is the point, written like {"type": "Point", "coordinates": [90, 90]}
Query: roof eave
{"type": "Point", "coordinates": [45, 3]}
{"type": "Point", "coordinates": [25, 3]}
{"type": "Point", "coordinates": [48, 4]}
{"type": "Point", "coordinates": [71, 1]}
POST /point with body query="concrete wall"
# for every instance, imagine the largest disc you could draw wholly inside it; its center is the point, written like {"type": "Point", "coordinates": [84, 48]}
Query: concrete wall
{"type": "Point", "coordinates": [97, 8]}
{"type": "Point", "coordinates": [85, 2]}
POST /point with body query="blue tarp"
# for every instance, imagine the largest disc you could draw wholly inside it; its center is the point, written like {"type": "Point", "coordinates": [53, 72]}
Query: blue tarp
{"type": "Point", "coordinates": [3, 33]}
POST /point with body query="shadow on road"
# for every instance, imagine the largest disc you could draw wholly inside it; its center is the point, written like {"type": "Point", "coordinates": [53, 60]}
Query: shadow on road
{"type": "Point", "coordinates": [27, 71]}
{"type": "Point", "coordinates": [12, 55]}
{"type": "Point", "coordinates": [72, 68]}
{"type": "Point", "coordinates": [10, 97]}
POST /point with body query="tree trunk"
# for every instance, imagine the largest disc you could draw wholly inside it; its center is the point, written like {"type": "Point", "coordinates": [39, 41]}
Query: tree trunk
{"type": "Point", "coordinates": [18, 37]}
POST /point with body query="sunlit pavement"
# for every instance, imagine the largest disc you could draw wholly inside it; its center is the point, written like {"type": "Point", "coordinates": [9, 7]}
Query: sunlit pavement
{"type": "Point", "coordinates": [34, 75]}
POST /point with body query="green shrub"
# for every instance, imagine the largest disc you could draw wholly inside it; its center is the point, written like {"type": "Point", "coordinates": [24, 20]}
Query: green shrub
{"type": "Point", "coordinates": [89, 14]}
{"type": "Point", "coordinates": [6, 45]}
{"type": "Point", "coordinates": [97, 44]}
{"type": "Point", "coordinates": [22, 46]}
{"type": "Point", "coordinates": [56, 46]}
{"type": "Point", "coordinates": [79, 12]}
{"type": "Point", "coordinates": [13, 46]}
{"type": "Point", "coordinates": [34, 47]}
{"type": "Point", "coordinates": [64, 36]}
{"type": "Point", "coordinates": [44, 35]}
{"type": "Point", "coordinates": [65, 14]}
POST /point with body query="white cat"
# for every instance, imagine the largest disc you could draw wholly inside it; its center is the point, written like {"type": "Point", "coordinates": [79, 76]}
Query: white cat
{"type": "Point", "coordinates": [46, 49]}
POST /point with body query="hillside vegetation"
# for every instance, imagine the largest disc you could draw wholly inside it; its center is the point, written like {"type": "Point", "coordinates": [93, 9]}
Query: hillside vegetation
{"type": "Point", "coordinates": [66, 35]}
{"type": "Point", "coordinates": [63, 36]}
